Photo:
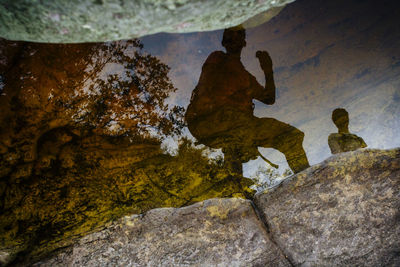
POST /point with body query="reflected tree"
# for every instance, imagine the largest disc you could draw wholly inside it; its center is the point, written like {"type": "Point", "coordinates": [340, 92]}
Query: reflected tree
{"type": "Point", "coordinates": [110, 88]}
{"type": "Point", "coordinates": [81, 129]}
{"type": "Point", "coordinates": [266, 178]}
{"type": "Point", "coordinates": [75, 119]}
{"type": "Point", "coordinates": [128, 100]}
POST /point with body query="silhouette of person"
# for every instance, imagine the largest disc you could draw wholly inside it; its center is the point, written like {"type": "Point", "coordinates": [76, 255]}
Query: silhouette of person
{"type": "Point", "coordinates": [220, 113]}
{"type": "Point", "coordinates": [343, 141]}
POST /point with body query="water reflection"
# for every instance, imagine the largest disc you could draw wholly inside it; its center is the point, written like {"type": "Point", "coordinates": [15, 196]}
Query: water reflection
{"type": "Point", "coordinates": [220, 113]}
{"type": "Point", "coordinates": [82, 126]}
{"type": "Point", "coordinates": [81, 132]}
{"type": "Point", "coordinates": [343, 141]}
{"type": "Point", "coordinates": [56, 96]}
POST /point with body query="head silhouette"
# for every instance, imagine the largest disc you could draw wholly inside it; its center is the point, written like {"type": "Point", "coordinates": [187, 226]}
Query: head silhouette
{"type": "Point", "coordinates": [234, 39]}
{"type": "Point", "coordinates": [340, 118]}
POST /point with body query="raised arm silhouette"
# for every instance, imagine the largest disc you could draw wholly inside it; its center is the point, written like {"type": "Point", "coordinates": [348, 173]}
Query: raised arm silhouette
{"type": "Point", "coordinates": [220, 114]}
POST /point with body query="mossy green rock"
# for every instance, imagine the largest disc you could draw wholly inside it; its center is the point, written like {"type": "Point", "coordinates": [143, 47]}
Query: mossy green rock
{"type": "Point", "coordinates": [74, 21]}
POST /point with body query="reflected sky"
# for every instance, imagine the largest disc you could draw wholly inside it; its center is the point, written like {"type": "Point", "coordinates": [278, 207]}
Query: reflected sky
{"type": "Point", "coordinates": [345, 55]}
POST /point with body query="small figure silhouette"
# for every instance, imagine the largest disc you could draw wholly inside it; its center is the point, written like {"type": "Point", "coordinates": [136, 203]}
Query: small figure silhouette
{"type": "Point", "coordinates": [220, 113]}
{"type": "Point", "coordinates": [343, 141]}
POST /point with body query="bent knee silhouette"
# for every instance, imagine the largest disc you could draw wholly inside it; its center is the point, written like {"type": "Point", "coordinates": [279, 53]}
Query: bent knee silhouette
{"type": "Point", "coordinates": [220, 113]}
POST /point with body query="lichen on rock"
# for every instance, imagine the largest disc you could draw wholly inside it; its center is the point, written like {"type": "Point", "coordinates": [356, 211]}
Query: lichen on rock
{"type": "Point", "coordinates": [189, 236]}
{"type": "Point", "coordinates": [343, 211]}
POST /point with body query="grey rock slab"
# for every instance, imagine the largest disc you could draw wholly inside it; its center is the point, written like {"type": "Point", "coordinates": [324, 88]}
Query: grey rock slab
{"type": "Point", "coordinates": [216, 232]}
{"type": "Point", "coordinates": [342, 212]}
{"type": "Point", "coordinates": [74, 21]}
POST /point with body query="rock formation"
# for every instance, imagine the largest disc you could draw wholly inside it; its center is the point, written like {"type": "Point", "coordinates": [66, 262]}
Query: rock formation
{"type": "Point", "coordinates": [99, 21]}
{"type": "Point", "coordinates": [342, 212]}
{"type": "Point", "coordinates": [223, 232]}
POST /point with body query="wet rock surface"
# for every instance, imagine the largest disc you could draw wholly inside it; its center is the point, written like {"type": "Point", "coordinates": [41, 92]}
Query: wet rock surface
{"type": "Point", "coordinates": [99, 21]}
{"type": "Point", "coordinates": [342, 212]}
{"type": "Point", "coordinates": [223, 232]}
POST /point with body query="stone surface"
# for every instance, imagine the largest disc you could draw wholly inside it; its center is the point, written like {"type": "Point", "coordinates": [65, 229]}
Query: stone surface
{"type": "Point", "coordinates": [216, 232]}
{"type": "Point", "coordinates": [342, 212]}
{"type": "Point", "coordinates": [97, 20]}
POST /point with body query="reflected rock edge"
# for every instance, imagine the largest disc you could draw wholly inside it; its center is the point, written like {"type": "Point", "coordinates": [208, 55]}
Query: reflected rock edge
{"type": "Point", "coordinates": [79, 21]}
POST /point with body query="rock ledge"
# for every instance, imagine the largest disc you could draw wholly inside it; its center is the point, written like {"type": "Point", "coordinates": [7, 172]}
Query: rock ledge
{"type": "Point", "coordinates": [223, 232]}
{"type": "Point", "coordinates": [342, 212]}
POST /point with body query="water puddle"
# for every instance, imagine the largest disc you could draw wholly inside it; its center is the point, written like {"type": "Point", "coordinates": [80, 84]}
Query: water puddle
{"type": "Point", "coordinates": [90, 132]}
